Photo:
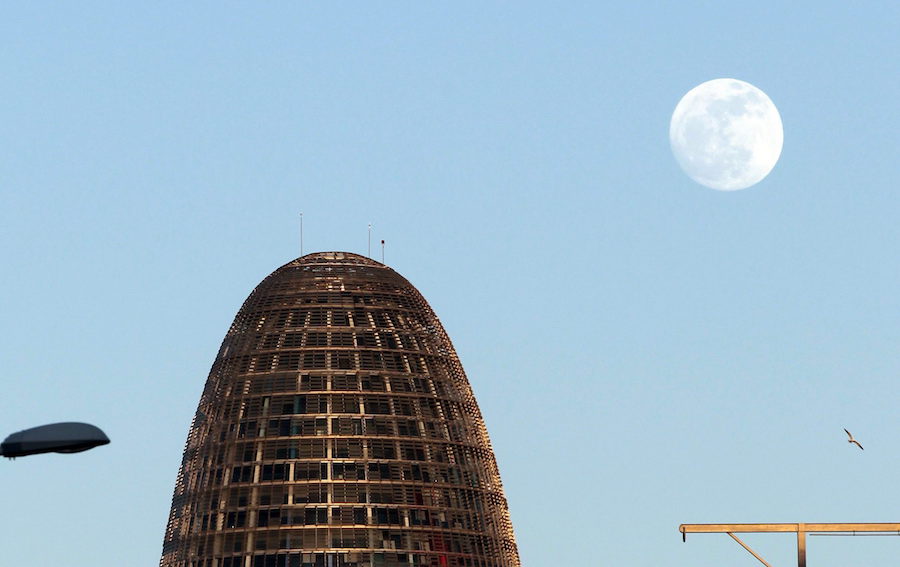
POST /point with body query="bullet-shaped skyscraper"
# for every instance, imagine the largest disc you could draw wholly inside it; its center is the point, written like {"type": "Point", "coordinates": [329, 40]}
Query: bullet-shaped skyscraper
{"type": "Point", "coordinates": [337, 429]}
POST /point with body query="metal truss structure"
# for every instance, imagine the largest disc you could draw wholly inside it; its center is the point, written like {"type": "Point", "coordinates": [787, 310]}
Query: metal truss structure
{"type": "Point", "coordinates": [338, 429]}
{"type": "Point", "coordinates": [800, 529]}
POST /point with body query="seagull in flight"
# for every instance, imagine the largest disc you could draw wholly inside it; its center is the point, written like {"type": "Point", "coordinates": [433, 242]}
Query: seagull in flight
{"type": "Point", "coordinates": [852, 440]}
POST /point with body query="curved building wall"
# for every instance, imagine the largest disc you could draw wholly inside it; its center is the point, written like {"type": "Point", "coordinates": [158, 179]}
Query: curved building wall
{"type": "Point", "coordinates": [337, 429]}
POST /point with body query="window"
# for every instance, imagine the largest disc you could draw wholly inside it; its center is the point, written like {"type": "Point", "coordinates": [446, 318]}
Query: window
{"type": "Point", "coordinates": [342, 339]}
{"type": "Point", "coordinates": [366, 339]}
{"type": "Point", "coordinates": [279, 427]}
{"type": "Point", "coordinates": [346, 426]}
{"type": "Point", "coordinates": [380, 318]}
{"type": "Point", "coordinates": [342, 361]}
{"type": "Point", "coordinates": [344, 382]}
{"type": "Point", "coordinates": [379, 471]}
{"type": "Point", "coordinates": [274, 472]}
{"type": "Point", "coordinates": [311, 448]}
{"type": "Point", "coordinates": [242, 474]}
{"type": "Point", "coordinates": [347, 449]}
{"type": "Point", "coordinates": [377, 406]}
{"type": "Point", "coordinates": [386, 515]}
{"type": "Point", "coordinates": [316, 339]}
{"type": "Point", "coordinates": [379, 426]}
{"type": "Point", "coordinates": [318, 317]}
{"type": "Point", "coordinates": [314, 360]}
{"type": "Point", "coordinates": [266, 516]}
{"type": "Point", "coordinates": [404, 407]}
{"type": "Point", "coordinates": [407, 428]}
{"type": "Point", "coordinates": [380, 449]}
{"type": "Point", "coordinates": [310, 471]}
{"type": "Point", "coordinates": [236, 519]}
{"type": "Point", "coordinates": [312, 383]}
{"type": "Point", "coordinates": [344, 404]}
{"type": "Point", "coordinates": [348, 471]}
{"type": "Point", "coordinates": [340, 319]}
{"type": "Point", "coordinates": [238, 497]}
{"type": "Point", "coordinates": [349, 493]}
{"type": "Point", "coordinates": [373, 383]}
{"type": "Point", "coordinates": [315, 516]}
{"type": "Point", "coordinates": [289, 361]}
{"type": "Point", "coordinates": [309, 494]}
{"type": "Point", "coordinates": [413, 451]}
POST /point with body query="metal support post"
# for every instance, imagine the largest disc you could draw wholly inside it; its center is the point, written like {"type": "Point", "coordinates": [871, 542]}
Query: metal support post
{"type": "Point", "coordinates": [801, 545]}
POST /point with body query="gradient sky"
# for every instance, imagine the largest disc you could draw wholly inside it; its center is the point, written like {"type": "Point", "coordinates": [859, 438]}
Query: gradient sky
{"type": "Point", "coordinates": [646, 351]}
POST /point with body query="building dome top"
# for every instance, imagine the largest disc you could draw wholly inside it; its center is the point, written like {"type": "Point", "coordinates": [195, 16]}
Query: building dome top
{"type": "Point", "coordinates": [333, 259]}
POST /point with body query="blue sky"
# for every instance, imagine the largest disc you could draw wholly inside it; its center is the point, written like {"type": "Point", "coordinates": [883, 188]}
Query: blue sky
{"type": "Point", "coordinates": [647, 352]}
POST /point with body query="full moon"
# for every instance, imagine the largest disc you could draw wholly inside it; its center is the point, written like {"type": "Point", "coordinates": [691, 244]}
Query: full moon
{"type": "Point", "coordinates": [726, 134]}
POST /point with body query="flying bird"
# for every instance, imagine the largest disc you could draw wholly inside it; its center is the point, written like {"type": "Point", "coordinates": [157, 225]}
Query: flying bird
{"type": "Point", "coordinates": [852, 440]}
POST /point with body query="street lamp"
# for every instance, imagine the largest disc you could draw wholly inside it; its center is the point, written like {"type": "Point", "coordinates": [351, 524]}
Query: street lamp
{"type": "Point", "coordinates": [68, 437]}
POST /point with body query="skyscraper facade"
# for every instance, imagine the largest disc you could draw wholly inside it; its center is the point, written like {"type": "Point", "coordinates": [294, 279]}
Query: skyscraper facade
{"type": "Point", "coordinates": [337, 429]}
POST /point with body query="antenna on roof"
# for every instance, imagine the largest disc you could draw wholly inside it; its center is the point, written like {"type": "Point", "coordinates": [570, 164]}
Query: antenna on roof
{"type": "Point", "coordinates": [382, 251]}
{"type": "Point", "coordinates": [370, 241]}
{"type": "Point", "coordinates": [301, 234]}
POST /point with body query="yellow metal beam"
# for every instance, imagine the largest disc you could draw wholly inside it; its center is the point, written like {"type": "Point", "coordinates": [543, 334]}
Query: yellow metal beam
{"type": "Point", "coordinates": [801, 529]}
{"type": "Point", "coordinates": [789, 528]}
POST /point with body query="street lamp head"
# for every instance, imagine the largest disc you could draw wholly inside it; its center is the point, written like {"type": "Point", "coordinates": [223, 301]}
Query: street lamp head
{"type": "Point", "coordinates": [69, 437]}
